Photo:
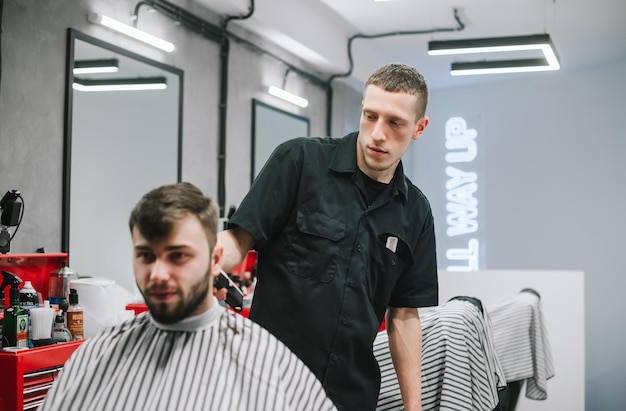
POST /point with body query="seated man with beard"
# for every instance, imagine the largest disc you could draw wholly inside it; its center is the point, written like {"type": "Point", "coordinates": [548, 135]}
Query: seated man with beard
{"type": "Point", "coordinates": [187, 352]}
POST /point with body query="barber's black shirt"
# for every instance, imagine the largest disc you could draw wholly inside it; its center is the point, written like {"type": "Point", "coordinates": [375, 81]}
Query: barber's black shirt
{"type": "Point", "coordinates": [329, 264]}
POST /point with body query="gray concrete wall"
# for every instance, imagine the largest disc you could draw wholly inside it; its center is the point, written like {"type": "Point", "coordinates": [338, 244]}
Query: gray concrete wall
{"type": "Point", "coordinates": [32, 97]}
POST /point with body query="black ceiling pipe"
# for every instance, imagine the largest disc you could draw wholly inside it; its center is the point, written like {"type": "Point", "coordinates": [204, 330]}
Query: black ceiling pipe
{"type": "Point", "coordinates": [217, 34]}
{"type": "Point", "coordinates": [221, 36]}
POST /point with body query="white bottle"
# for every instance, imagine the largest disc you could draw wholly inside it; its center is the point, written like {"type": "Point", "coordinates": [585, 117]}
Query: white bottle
{"type": "Point", "coordinates": [29, 299]}
{"type": "Point", "coordinates": [42, 319]}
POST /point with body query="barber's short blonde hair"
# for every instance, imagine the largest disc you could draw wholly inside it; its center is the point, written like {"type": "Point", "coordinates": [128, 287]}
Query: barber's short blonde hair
{"type": "Point", "coordinates": [402, 78]}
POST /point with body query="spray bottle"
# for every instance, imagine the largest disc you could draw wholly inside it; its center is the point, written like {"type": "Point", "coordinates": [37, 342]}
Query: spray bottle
{"type": "Point", "coordinates": [29, 299]}
{"type": "Point", "coordinates": [15, 322]}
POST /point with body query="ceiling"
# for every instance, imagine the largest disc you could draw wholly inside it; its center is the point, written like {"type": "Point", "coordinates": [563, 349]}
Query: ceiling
{"type": "Point", "coordinates": [585, 33]}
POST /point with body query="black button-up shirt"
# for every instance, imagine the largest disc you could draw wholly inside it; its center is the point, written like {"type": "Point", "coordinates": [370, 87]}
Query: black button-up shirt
{"type": "Point", "coordinates": [329, 265]}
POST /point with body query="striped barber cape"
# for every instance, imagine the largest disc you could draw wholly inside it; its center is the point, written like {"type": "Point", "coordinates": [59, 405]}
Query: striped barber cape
{"type": "Point", "coordinates": [460, 369]}
{"type": "Point", "coordinates": [521, 342]}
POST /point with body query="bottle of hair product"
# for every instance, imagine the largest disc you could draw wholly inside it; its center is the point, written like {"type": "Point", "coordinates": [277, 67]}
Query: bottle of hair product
{"type": "Point", "coordinates": [29, 299]}
{"type": "Point", "coordinates": [75, 316]}
{"type": "Point", "coordinates": [60, 334]}
{"type": "Point", "coordinates": [15, 322]}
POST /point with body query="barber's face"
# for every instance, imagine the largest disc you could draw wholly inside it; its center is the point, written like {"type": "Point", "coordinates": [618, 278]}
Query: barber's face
{"type": "Point", "coordinates": [175, 275]}
{"type": "Point", "coordinates": [388, 125]}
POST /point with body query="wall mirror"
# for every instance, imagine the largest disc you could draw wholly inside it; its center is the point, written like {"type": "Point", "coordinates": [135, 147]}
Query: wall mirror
{"type": "Point", "coordinates": [270, 127]}
{"type": "Point", "coordinates": [118, 146]}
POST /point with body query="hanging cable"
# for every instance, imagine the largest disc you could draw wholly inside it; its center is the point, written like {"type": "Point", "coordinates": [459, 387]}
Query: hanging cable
{"type": "Point", "coordinates": [222, 36]}
{"type": "Point", "coordinates": [228, 19]}
{"type": "Point", "coordinates": [460, 27]}
{"type": "Point", "coordinates": [329, 95]}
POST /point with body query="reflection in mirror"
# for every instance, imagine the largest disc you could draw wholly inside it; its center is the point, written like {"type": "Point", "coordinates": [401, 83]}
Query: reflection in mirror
{"type": "Point", "coordinates": [123, 138]}
{"type": "Point", "coordinates": [270, 127]}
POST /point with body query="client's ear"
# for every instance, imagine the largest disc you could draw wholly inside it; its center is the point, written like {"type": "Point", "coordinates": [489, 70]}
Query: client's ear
{"type": "Point", "coordinates": [217, 258]}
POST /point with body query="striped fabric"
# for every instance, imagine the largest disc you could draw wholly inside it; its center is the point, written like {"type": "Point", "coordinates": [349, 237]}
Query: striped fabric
{"type": "Point", "coordinates": [521, 341]}
{"type": "Point", "coordinates": [460, 370]}
{"type": "Point", "coordinates": [216, 361]}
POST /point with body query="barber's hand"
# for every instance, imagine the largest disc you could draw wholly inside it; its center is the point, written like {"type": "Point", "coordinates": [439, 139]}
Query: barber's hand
{"type": "Point", "coordinates": [220, 294]}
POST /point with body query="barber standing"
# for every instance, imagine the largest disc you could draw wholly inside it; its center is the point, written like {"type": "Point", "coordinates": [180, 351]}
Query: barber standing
{"type": "Point", "coordinates": [344, 237]}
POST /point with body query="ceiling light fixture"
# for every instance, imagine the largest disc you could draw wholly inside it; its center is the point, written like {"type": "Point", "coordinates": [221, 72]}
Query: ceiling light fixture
{"type": "Point", "coordinates": [96, 66]}
{"type": "Point", "coordinates": [120, 84]}
{"type": "Point", "coordinates": [539, 42]}
{"type": "Point", "coordinates": [130, 31]}
{"type": "Point", "coordinates": [497, 67]}
{"type": "Point", "coordinates": [287, 96]}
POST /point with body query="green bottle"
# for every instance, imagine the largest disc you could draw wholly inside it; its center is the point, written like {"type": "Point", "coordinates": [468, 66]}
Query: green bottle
{"type": "Point", "coordinates": [15, 322]}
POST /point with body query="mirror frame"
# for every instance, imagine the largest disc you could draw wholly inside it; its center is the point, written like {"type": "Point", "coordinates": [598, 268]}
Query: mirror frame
{"type": "Point", "coordinates": [285, 122]}
{"type": "Point", "coordinates": [73, 35]}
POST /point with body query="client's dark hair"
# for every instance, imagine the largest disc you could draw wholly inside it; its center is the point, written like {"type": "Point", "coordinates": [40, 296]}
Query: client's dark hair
{"type": "Point", "coordinates": [158, 211]}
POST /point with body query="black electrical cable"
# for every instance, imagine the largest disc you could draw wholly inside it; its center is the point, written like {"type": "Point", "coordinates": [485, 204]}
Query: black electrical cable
{"type": "Point", "coordinates": [460, 27]}
{"type": "Point", "coordinates": [218, 35]}
{"type": "Point", "coordinates": [222, 36]}
{"type": "Point", "coordinates": [329, 95]}
{"type": "Point", "coordinates": [228, 19]}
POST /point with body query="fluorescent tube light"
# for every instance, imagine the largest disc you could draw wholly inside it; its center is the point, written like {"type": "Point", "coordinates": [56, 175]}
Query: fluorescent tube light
{"type": "Point", "coordinates": [120, 84]}
{"type": "Point", "coordinates": [96, 66]}
{"type": "Point", "coordinates": [539, 42]}
{"type": "Point", "coordinates": [498, 67]}
{"type": "Point", "coordinates": [130, 31]}
{"type": "Point", "coordinates": [287, 96]}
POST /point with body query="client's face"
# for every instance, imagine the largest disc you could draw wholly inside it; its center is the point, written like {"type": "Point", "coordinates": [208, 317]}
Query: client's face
{"type": "Point", "coordinates": [175, 275]}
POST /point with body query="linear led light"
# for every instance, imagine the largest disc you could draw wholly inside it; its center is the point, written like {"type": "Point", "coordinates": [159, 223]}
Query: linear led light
{"type": "Point", "coordinates": [498, 67]}
{"type": "Point", "coordinates": [287, 96]}
{"type": "Point", "coordinates": [120, 84]}
{"type": "Point", "coordinates": [96, 66]}
{"type": "Point", "coordinates": [539, 42]}
{"type": "Point", "coordinates": [130, 31]}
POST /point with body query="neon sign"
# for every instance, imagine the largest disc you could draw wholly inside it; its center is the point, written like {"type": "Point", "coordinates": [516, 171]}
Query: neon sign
{"type": "Point", "coordinates": [461, 201]}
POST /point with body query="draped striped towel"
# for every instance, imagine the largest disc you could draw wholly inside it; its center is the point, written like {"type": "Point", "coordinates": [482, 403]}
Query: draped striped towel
{"type": "Point", "coordinates": [460, 370]}
{"type": "Point", "coordinates": [521, 342]}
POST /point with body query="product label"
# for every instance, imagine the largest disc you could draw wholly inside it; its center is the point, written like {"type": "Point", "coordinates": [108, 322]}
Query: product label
{"type": "Point", "coordinates": [75, 324]}
{"type": "Point", "coordinates": [21, 335]}
{"type": "Point", "coordinates": [28, 300]}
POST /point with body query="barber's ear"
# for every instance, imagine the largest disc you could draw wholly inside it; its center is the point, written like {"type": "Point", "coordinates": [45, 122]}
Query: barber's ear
{"type": "Point", "coordinates": [421, 126]}
{"type": "Point", "coordinates": [217, 259]}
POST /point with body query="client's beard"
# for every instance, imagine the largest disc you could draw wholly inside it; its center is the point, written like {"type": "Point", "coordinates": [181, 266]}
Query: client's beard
{"type": "Point", "coordinates": [197, 295]}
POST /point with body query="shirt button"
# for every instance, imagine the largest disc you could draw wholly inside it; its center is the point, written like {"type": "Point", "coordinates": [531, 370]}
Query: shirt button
{"type": "Point", "coordinates": [344, 321]}
{"type": "Point", "coordinates": [335, 358]}
{"type": "Point", "coordinates": [351, 283]}
{"type": "Point", "coordinates": [359, 247]}
{"type": "Point", "coordinates": [393, 262]}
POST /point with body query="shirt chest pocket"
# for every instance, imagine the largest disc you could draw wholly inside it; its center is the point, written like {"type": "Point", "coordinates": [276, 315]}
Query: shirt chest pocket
{"type": "Point", "coordinates": [314, 245]}
{"type": "Point", "coordinates": [389, 257]}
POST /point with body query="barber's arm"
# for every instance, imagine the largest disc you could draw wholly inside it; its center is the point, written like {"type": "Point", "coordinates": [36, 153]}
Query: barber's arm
{"type": "Point", "coordinates": [405, 346]}
{"type": "Point", "coordinates": [236, 242]}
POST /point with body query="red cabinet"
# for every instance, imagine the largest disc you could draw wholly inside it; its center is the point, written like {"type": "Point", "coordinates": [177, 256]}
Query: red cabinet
{"type": "Point", "coordinates": [26, 375]}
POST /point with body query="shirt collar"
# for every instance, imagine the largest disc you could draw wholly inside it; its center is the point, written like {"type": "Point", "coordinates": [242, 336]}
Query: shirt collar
{"type": "Point", "coordinates": [195, 323]}
{"type": "Point", "coordinates": [344, 162]}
